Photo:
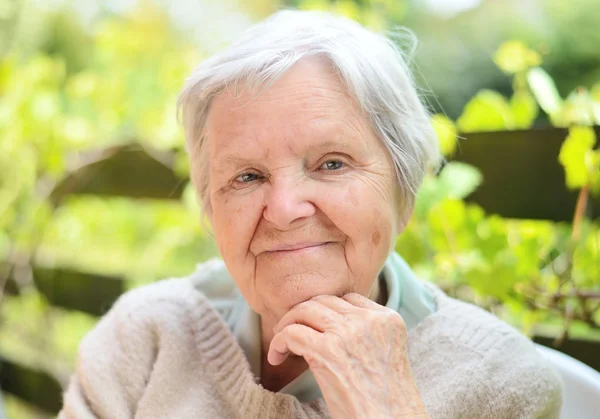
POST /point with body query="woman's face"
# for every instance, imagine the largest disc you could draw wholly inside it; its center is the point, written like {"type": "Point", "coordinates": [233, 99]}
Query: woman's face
{"type": "Point", "coordinates": [303, 198]}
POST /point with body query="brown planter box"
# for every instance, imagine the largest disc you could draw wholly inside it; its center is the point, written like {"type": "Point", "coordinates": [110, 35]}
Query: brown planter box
{"type": "Point", "coordinates": [586, 351]}
{"type": "Point", "coordinates": [522, 177]}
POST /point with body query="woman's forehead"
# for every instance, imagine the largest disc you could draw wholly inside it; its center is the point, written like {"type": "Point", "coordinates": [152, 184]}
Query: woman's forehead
{"type": "Point", "coordinates": [307, 104]}
{"type": "Point", "coordinates": [309, 89]}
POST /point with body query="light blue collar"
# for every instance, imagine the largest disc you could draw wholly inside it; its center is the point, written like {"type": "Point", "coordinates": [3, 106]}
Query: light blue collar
{"type": "Point", "coordinates": [406, 292]}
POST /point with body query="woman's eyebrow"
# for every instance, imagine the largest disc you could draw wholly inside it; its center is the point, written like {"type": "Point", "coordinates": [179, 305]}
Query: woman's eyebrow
{"type": "Point", "coordinates": [232, 161]}
{"type": "Point", "coordinates": [332, 144]}
{"type": "Point", "coordinates": [227, 163]}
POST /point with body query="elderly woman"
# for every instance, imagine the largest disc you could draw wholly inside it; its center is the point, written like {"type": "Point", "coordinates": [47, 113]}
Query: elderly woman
{"type": "Point", "coordinates": [308, 143]}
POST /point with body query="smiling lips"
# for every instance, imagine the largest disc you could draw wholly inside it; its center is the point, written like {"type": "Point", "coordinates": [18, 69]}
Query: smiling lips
{"type": "Point", "coordinates": [289, 248]}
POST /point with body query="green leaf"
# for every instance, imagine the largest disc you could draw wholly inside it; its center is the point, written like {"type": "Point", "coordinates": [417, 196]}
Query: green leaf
{"type": "Point", "coordinates": [578, 108]}
{"type": "Point", "coordinates": [446, 133]}
{"type": "Point", "coordinates": [455, 181]}
{"type": "Point", "coordinates": [7, 71]}
{"type": "Point", "coordinates": [429, 195]}
{"type": "Point", "coordinates": [314, 5]}
{"type": "Point", "coordinates": [595, 94]}
{"type": "Point", "coordinates": [593, 162]}
{"type": "Point", "coordinates": [347, 8]}
{"type": "Point", "coordinates": [514, 57]}
{"type": "Point", "coordinates": [495, 279]}
{"type": "Point", "coordinates": [487, 111]}
{"type": "Point", "coordinates": [525, 109]}
{"type": "Point", "coordinates": [574, 153]}
{"type": "Point", "coordinates": [460, 180]}
{"type": "Point", "coordinates": [544, 90]}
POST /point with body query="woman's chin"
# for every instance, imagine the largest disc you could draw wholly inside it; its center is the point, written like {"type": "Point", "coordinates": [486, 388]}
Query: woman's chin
{"type": "Point", "coordinates": [286, 283]}
{"type": "Point", "coordinates": [288, 292]}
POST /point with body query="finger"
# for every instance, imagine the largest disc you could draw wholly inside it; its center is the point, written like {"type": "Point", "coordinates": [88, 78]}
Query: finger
{"type": "Point", "coordinates": [335, 303]}
{"type": "Point", "coordinates": [297, 339]}
{"type": "Point", "coordinates": [310, 313]}
{"type": "Point", "coordinates": [358, 300]}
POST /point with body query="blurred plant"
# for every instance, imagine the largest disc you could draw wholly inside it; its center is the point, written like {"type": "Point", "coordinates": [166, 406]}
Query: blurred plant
{"type": "Point", "coordinates": [376, 14]}
{"type": "Point", "coordinates": [61, 110]}
{"type": "Point", "coordinates": [529, 272]}
{"type": "Point", "coordinates": [9, 18]}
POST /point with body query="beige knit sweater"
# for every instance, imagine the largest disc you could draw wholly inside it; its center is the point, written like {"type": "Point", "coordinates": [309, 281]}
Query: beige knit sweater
{"type": "Point", "coordinates": [164, 352]}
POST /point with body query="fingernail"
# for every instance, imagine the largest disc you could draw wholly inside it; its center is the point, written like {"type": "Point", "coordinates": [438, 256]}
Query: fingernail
{"type": "Point", "coordinates": [270, 357]}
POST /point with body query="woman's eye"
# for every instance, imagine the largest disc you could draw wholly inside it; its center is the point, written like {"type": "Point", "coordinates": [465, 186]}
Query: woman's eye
{"type": "Point", "coordinates": [246, 177]}
{"type": "Point", "coordinates": [332, 165]}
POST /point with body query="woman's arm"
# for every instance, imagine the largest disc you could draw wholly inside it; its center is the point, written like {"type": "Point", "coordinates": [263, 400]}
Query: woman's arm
{"type": "Point", "coordinates": [506, 379]}
{"type": "Point", "coordinates": [520, 387]}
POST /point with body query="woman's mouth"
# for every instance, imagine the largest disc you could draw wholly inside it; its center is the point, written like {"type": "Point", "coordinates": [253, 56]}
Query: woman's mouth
{"type": "Point", "coordinates": [295, 247]}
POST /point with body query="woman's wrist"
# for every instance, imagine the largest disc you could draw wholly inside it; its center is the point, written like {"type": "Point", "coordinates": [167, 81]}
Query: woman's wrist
{"type": "Point", "coordinates": [410, 405]}
{"type": "Point", "coordinates": [405, 404]}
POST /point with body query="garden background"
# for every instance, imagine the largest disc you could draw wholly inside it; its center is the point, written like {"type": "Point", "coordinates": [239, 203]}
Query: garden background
{"type": "Point", "coordinates": [95, 200]}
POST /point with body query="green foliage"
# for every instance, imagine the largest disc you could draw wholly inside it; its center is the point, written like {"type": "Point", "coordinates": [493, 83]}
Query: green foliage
{"type": "Point", "coordinates": [528, 272]}
{"type": "Point", "coordinates": [513, 267]}
{"type": "Point", "coordinates": [524, 108]}
{"type": "Point", "coordinates": [544, 89]}
{"type": "Point", "coordinates": [578, 149]}
{"type": "Point", "coordinates": [487, 111]}
{"type": "Point", "coordinates": [60, 106]}
{"type": "Point", "coordinates": [446, 133]}
{"type": "Point", "coordinates": [376, 14]}
{"type": "Point", "coordinates": [144, 240]}
{"type": "Point", "coordinates": [581, 107]}
{"type": "Point", "coordinates": [514, 57]}
{"type": "Point", "coordinates": [455, 181]}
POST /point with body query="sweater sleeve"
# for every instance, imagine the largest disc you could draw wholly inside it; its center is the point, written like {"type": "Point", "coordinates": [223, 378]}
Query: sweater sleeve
{"type": "Point", "coordinates": [114, 363]}
{"type": "Point", "coordinates": [519, 387]}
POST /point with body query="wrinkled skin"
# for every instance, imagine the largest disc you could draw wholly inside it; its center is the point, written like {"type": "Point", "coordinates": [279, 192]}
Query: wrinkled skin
{"type": "Point", "coordinates": [356, 350]}
{"type": "Point", "coordinates": [303, 205]}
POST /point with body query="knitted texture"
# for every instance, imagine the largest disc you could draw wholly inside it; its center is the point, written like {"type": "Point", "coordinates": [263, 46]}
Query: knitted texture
{"type": "Point", "coordinates": [163, 351]}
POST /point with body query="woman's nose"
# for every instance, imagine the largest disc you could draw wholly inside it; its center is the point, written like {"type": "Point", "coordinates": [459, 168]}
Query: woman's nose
{"type": "Point", "coordinates": [287, 202]}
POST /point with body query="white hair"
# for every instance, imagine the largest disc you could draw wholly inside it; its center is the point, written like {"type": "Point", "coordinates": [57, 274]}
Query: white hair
{"type": "Point", "coordinates": [371, 66]}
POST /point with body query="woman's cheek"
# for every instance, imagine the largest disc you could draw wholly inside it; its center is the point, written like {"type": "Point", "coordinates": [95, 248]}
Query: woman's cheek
{"type": "Point", "coordinates": [367, 218]}
{"type": "Point", "coordinates": [232, 223]}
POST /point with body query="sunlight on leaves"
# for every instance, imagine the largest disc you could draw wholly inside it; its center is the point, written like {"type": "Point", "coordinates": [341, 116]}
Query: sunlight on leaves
{"type": "Point", "coordinates": [514, 57]}
{"type": "Point", "coordinates": [544, 90]}
{"type": "Point", "coordinates": [487, 111]}
{"type": "Point", "coordinates": [575, 155]}
{"type": "Point", "coordinates": [446, 133]}
{"type": "Point", "coordinates": [524, 108]}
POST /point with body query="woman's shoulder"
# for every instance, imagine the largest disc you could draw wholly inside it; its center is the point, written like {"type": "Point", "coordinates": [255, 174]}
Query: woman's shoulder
{"type": "Point", "coordinates": [464, 323]}
{"type": "Point", "coordinates": [142, 313]}
{"type": "Point", "coordinates": [168, 303]}
{"type": "Point", "coordinates": [153, 332]}
{"type": "Point", "coordinates": [208, 284]}
{"type": "Point", "coordinates": [482, 357]}
{"type": "Point", "coordinates": [139, 316]}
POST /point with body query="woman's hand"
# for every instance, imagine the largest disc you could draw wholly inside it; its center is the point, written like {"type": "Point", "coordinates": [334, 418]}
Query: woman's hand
{"type": "Point", "coordinates": [356, 350]}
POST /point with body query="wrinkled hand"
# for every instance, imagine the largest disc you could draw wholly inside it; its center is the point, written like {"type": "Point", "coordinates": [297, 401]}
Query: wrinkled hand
{"type": "Point", "coordinates": [357, 352]}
